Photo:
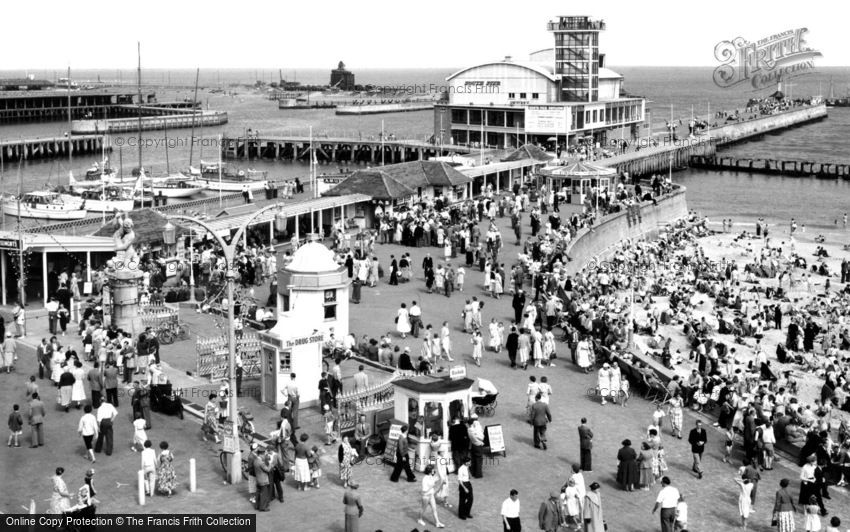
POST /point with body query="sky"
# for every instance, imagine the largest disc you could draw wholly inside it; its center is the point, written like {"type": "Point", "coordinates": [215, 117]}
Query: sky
{"type": "Point", "coordinates": [391, 33]}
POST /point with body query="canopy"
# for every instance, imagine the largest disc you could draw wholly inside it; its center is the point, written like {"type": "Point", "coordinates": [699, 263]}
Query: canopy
{"type": "Point", "coordinates": [576, 168]}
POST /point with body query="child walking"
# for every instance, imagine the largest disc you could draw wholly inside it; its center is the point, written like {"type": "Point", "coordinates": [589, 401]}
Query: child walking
{"type": "Point", "coordinates": [139, 435]}
{"type": "Point", "coordinates": [329, 420]}
{"type": "Point", "coordinates": [315, 466]}
{"type": "Point", "coordinates": [812, 515]}
{"type": "Point", "coordinates": [15, 425]}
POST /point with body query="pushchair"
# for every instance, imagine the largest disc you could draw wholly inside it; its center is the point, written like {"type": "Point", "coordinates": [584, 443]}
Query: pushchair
{"type": "Point", "coordinates": [485, 403]}
{"type": "Point", "coordinates": [166, 401]}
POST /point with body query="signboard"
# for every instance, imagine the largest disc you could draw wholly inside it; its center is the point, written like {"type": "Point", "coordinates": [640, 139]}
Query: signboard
{"type": "Point", "coordinates": [547, 119]}
{"type": "Point", "coordinates": [495, 438]}
{"type": "Point", "coordinates": [10, 243]}
{"type": "Point", "coordinates": [293, 342]}
{"type": "Point", "coordinates": [230, 444]}
{"type": "Point", "coordinates": [392, 443]}
{"type": "Point", "coordinates": [457, 372]}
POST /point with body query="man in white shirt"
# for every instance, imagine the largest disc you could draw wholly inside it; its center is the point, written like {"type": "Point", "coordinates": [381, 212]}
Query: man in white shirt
{"type": "Point", "coordinates": [291, 391]}
{"type": "Point", "coordinates": [88, 430]}
{"type": "Point", "coordinates": [465, 497]}
{"type": "Point", "coordinates": [415, 314]}
{"type": "Point", "coordinates": [476, 442]}
{"type": "Point", "coordinates": [510, 512]}
{"type": "Point", "coordinates": [149, 467]}
{"type": "Point", "coordinates": [361, 379]}
{"type": "Point", "coordinates": [667, 501]}
{"type": "Point", "coordinates": [52, 308]}
{"type": "Point", "coordinates": [106, 414]}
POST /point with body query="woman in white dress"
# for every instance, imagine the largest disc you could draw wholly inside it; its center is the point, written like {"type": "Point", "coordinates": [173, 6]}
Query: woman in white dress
{"type": "Point", "coordinates": [549, 347]}
{"type": "Point", "coordinates": [446, 341]}
{"type": "Point", "coordinates": [467, 316]}
{"type": "Point", "coordinates": [537, 348]}
{"type": "Point", "coordinates": [56, 365]}
{"type": "Point", "coordinates": [402, 321]}
{"type": "Point", "coordinates": [497, 281]}
{"type": "Point", "coordinates": [60, 500]}
{"type": "Point", "coordinates": [583, 354]}
{"type": "Point", "coordinates": [570, 505]}
{"type": "Point", "coordinates": [616, 381]}
{"type": "Point", "coordinates": [78, 391]}
{"type": "Point", "coordinates": [495, 342]}
{"type": "Point", "coordinates": [477, 347]}
{"type": "Point", "coordinates": [603, 382]}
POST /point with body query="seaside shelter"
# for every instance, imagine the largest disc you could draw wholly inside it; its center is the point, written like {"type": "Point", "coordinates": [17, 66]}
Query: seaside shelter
{"type": "Point", "coordinates": [578, 179]}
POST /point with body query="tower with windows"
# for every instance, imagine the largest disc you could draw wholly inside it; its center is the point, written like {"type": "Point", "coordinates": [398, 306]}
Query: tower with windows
{"type": "Point", "coordinates": [577, 57]}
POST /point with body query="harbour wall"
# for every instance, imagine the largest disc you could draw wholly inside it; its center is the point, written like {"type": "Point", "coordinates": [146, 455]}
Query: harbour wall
{"type": "Point", "coordinates": [644, 220]}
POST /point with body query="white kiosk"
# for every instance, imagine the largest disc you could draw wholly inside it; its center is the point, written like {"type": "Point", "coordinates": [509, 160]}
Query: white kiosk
{"type": "Point", "coordinates": [427, 405]}
{"type": "Point", "coordinates": [312, 301]}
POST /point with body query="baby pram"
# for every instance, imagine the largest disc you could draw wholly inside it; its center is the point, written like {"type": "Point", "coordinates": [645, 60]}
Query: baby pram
{"type": "Point", "coordinates": [165, 401]}
{"type": "Point", "coordinates": [485, 403]}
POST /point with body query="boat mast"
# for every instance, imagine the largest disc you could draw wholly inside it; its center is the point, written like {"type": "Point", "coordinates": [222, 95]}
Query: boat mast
{"type": "Point", "coordinates": [70, 126]}
{"type": "Point", "coordinates": [194, 111]}
{"type": "Point", "coordinates": [165, 134]}
{"type": "Point", "coordinates": [22, 295]}
{"type": "Point", "coordinates": [139, 82]}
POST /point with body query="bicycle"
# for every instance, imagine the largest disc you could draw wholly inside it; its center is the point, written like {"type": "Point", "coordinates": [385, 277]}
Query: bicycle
{"type": "Point", "coordinates": [170, 331]}
{"type": "Point", "coordinates": [245, 425]}
{"type": "Point", "coordinates": [224, 458]}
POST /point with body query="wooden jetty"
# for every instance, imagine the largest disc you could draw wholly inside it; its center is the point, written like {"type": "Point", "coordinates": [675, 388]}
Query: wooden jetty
{"type": "Point", "coordinates": [791, 168]}
{"type": "Point", "coordinates": [44, 148]}
{"type": "Point", "coordinates": [660, 159]}
{"type": "Point", "coordinates": [336, 149]}
{"type": "Point", "coordinates": [18, 107]}
{"type": "Point", "coordinates": [149, 123]}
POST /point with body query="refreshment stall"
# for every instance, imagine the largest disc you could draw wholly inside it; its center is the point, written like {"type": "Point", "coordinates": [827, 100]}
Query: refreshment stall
{"type": "Point", "coordinates": [427, 405]}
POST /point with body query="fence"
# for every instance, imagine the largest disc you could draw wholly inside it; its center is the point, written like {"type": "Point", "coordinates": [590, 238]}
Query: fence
{"type": "Point", "coordinates": [155, 315]}
{"type": "Point", "coordinates": [375, 397]}
{"type": "Point", "coordinates": [214, 361]}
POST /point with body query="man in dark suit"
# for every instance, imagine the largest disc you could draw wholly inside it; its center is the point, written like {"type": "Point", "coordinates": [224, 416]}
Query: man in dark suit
{"type": "Point", "coordinates": [40, 357]}
{"type": "Point", "coordinates": [110, 383]}
{"type": "Point", "coordinates": [512, 344]}
{"type": "Point", "coordinates": [549, 516]}
{"type": "Point", "coordinates": [459, 439]}
{"type": "Point", "coordinates": [518, 305]}
{"type": "Point", "coordinates": [95, 380]}
{"type": "Point", "coordinates": [402, 458]}
{"type": "Point", "coordinates": [697, 439]}
{"type": "Point", "coordinates": [36, 420]}
{"type": "Point", "coordinates": [262, 467]}
{"type": "Point", "coordinates": [540, 417]}
{"type": "Point", "coordinates": [585, 438]}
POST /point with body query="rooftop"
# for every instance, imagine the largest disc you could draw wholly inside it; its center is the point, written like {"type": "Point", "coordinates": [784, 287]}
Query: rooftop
{"type": "Point", "coordinates": [428, 384]}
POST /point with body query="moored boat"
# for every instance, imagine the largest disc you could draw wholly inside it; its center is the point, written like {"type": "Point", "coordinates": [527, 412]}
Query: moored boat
{"type": "Point", "coordinates": [108, 198]}
{"type": "Point", "coordinates": [45, 205]}
{"type": "Point", "coordinates": [176, 187]}
{"type": "Point", "coordinates": [253, 179]}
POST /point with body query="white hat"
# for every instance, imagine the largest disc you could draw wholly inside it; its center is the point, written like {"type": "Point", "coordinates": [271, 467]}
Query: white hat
{"type": "Point", "coordinates": [473, 416]}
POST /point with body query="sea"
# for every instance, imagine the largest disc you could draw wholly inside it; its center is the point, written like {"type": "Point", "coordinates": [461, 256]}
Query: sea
{"type": "Point", "coordinates": [677, 92]}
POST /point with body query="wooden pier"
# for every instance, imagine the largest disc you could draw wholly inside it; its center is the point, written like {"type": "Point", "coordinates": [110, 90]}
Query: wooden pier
{"type": "Point", "coordinates": [791, 168]}
{"type": "Point", "coordinates": [336, 150]}
{"type": "Point", "coordinates": [660, 159]}
{"type": "Point", "coordinates": [149, 123]}
{"type": "Point", "coordinates": [45, 148]}
{"type": "Point", "coordinates": [19, 107]}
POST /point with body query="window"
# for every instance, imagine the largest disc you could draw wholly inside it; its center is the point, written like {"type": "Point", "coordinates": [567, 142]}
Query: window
{"type": "Point", "coordinates": [459, 116]}
{"type": "Point", "coordinates": [594, 115]}
{"type": "Point", "coordinates": [475, 117]}
{"type": "Point", "coordinates": [511, 95]}
{"type": "Point", "coordinates": [535, 95]}
{"type": "Point", "coordinates": [330, 304]}
{"type": "Point", "coordinates": [285, 361]}
{"type": "Point", "coordinates": [522, 96]}
{"type": "Point", "coordinates": [286, 302]}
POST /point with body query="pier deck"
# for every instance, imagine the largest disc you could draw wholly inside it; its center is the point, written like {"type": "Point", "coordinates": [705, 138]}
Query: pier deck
{"type": "Point", "coordinates": [791, 168]}
{"type": "Point", "coordinates": [329, 149]}
{"type": "Point", "coordinates": [45, 148]}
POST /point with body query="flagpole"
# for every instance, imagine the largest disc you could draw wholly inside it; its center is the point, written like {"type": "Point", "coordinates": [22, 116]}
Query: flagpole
{"type": "Point", "coordinates": [382, 143]}
{"type": "Point", "coordinates": [219, 171]}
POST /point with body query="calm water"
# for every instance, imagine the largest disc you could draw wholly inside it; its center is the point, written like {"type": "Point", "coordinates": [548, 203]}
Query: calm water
{"type": "Point", "coordinates": [688, 90]}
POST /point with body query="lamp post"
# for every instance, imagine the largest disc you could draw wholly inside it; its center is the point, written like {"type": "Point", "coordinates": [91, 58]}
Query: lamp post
{"type": "Point", "coordinates": [192, 299]}
{"type": "Point", "coordinates": [229, 250]}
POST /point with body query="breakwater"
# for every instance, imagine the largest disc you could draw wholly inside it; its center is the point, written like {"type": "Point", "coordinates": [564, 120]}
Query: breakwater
{"type": "Point", "coordinates": [792, 168]}
{"type": "Point", "coordinates": [149, 123]}
{"type": "Point", "coordinates": [367, 109]}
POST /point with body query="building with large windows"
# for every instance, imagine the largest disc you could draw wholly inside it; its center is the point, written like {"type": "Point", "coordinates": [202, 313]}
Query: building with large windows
{"type": "Point", "coordinates": [558, 96]}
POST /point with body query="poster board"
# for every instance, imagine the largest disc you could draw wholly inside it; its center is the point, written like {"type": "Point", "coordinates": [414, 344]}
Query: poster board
{"type": "Point", "coordinates": [229, 441]}
{"type": "Point", "coordinates": [392, 443]}
{"type": "Point", "coordinates": [495, 439]}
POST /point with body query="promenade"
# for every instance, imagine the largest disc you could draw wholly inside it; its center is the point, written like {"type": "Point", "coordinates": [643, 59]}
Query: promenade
{"type": "Point", "coordinates": [390, 507]}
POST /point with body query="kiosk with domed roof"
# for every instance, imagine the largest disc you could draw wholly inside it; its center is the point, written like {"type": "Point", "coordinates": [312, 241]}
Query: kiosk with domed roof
{"type": "Point", "coordinates": [312, 304]}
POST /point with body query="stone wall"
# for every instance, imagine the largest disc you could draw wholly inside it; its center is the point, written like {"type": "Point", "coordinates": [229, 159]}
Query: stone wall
{"type": "Point", "coordinates": [742, 130]}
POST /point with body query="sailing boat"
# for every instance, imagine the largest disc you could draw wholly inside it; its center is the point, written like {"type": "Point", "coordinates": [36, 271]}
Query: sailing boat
{"type": "Point", "coordinates": [45, 205]}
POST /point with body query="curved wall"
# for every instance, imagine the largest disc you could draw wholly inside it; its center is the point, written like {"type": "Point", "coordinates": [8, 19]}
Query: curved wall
{"type": "Point", "coordinates": [639, 222]}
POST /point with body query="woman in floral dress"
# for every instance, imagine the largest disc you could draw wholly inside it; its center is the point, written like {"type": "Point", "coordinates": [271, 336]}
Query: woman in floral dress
{"type": "Point", "coordinates": [166, 478]}
{"type": "Point", "coordinates": [675, 413]}
{"type": "Point", "coordinates": [347, 454]}
{"type": "Point", "coordinates": [60, 500]}
{"type": "Point", "coordinates": [210, 426]}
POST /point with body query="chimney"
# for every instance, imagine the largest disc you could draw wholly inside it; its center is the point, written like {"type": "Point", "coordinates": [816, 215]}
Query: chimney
{"type": "Point", "coordinates": [508, 59]}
